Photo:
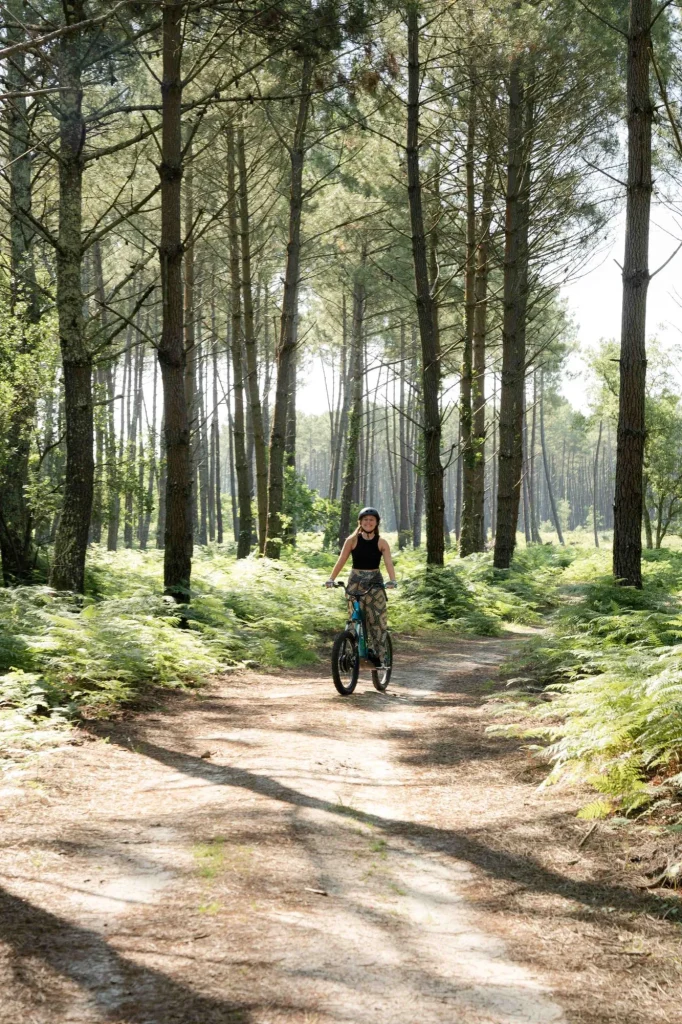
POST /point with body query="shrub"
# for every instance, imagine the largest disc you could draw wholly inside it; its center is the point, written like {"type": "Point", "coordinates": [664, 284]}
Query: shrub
{"type": "Point", "coordinates": [613, 662]}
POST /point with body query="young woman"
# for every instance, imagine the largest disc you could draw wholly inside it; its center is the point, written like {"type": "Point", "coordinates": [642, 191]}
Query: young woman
{"type": "Point", "coordinates": [367, 549]}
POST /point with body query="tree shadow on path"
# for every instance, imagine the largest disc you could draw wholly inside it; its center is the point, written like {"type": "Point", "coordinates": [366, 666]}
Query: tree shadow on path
{"type": "Point", "coordinates": [120, 989]}
{"type": "Point", "coordinates": [500, 864]}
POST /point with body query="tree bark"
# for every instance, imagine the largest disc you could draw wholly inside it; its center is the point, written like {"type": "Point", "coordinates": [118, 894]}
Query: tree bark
{"type": "Point", "coordinates": [178, 537]}
{"type": "Point", "coordinates": [189, 281]}
{"type": "Point", "coordinates": [469, 528]}
{"type": "Point", "coordinates": [545, 462]}
{"type": "Point", "coordinates": [250, 344]}
{"type": "Point", "coordinates": [287, 342]}
{"type": "Point", "coordinates": [216, 446]}
{"type": "Point", "coordinates": [404, 511]}
{"type": "Point", "coordinates": [527, 527]}
{"type": "Point", "coordinates": [355, 415]}
{"type": "Point", "coordinates": [202, 436]}
{"type": "Point", "coordinates": [230, 443]}
{"type": "Point", "coordinates": [290, 530]}
{"type": "Point", "coordinates": [595, 488]}
{"type": "Point", "coordinates": [163, 482]}
{"type": "Point", "coordinates": [345, 406]}
{"type": "Point", "coordinates": [239, 432]}
{"type": "Point", "coordinates": [627, 508]}
{"type": "Point", "coordinates": [510, 459]}
{"type": "Point", "coordinates": [647, 516]}
{"type": "Point", "coordinates": [432, 467]}
{"type": "Point", "coordinates": [16, 543]}
{"type": "Point", "coordinates": [135, 408]}
{"type": "Point", "coordinates": [145, 521]}
{"type": "Point", "coordinates": [532, 486]}
{"type": "Point", "coordinates": [478, 399]}
{"type": "Point", "coordinates": [68, 569]}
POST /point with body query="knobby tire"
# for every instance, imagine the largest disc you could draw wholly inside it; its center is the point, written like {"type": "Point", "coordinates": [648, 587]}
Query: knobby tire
{"type": "Point", "coordinates": [345, 662]}
{"type": "Point", "coordinates": [382, 677]}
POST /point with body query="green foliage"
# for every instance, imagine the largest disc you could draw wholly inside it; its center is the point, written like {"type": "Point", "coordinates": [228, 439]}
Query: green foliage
{"type": "Point", "coordinates": [60, 655]}
{"type": "Point", "coordinates": [663, 447]}
{"type": "Point", "coordinates": [299, 501]}
{"type": "Point", "coordinates": [469, 596]}
{"type": "Point", "coordinates": [613, 662]}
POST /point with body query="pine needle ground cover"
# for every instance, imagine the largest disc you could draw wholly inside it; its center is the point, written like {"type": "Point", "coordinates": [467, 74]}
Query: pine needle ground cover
{"type": "Point", "coordinates": [610, 671]}
{"type": "Point", "coordinates": [61, 657]}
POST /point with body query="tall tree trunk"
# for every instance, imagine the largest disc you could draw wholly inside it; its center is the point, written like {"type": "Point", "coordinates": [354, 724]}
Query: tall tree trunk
{"type": "Point", "coordinates": [391, 467]}
{"type": "Point", "coordinates": [239, 432]}
{"type": "Point", "coordinates": [289, 535]}
{"type": "Point", "coordinates": [152, 470]}
{"type": "Point", "coordinates": [134, 406]}
{"type": "Point", "coordinates": [627, 509]}
{"type": "Point", "coordinates": [109, 392]}
{"type": "Point", "coordinates": [513, 329]}
{"type": "Point", "coordinates": [478, 399]}
{"type": "Point", "coordinates": [163, 482]}
{"type": "Point", "coordinates": [287, 341]}
{"type": "Point", "coordinates": [230, 442]}
{"type": "Point", "coordinates": [16, 544]}
{"type": "Point", "coordinates": [532, 488]}
{"type": "Point", "coordinates": [495, 462]}
{"type": "Point", "coordinates": [68, 569]}
{"type": "Point", "coordinates": [527, 524]}
{"type": "Point", "coordinates": [343, 419]}
{"type": "Point", "coordinates": [178, 538]}
{"type": "Point", "coordinates": [404, 512]}
{"type": "Point", "coordinates": [211, 423]}
{"type": "Point", "coordinates": [432, 467]}
{"type": "Point", "coordinates": [458, 496]}
{"type": "Point", "coordinates": [114, 457]}
{"type": "Point", "coordinates": [545, 462]}
{"type": "Point", "coordinates": [470, 529]}
{"type": "Point", "coordinates": [250, 344]}
{"type": "Point", "coordinates": [267, 382]}
{"type": "Point", "coordinates": [216, 445]}
{"type": "Point", "coordinates": [595, 488]}
{"type": "Point", "coordinates": [189, 281]}
{"type": "Point", "coordinates": [355, 416]}
{"type": "Point", "coordinates": [647, 516]}
{"type": "Point", "coordinates": [202, 440]}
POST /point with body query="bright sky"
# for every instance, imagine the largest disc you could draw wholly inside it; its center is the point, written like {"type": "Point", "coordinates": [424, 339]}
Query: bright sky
{"type": "Point", "coordinates": [595, 302]}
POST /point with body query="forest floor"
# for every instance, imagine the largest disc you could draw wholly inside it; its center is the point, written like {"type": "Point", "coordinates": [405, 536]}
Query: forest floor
{"type": "Point", "coordinates": [267, 851]}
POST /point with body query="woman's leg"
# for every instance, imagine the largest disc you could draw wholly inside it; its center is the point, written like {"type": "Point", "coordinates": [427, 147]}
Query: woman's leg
{"type": "Point", "coordinates": [376, 617]}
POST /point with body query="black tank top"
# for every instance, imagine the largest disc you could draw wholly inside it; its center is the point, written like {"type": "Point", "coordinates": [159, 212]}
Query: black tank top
{"type": "Point", "coordinates": [366, 554]}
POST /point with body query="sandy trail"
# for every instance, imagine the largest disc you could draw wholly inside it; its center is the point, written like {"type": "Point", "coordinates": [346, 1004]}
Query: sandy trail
{"type": "Point", "coordinates": [311, 869]}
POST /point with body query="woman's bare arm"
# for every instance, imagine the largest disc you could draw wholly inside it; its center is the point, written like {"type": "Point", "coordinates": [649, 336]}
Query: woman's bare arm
{"type": "Point", "coordinates": [344, 556]}
{"type": "Point", "coordinates": [388, 561]}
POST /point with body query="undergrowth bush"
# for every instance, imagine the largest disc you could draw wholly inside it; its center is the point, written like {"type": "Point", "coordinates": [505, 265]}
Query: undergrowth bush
{"type": "Point", "coordinates": [469, 596]}
{"type": "Point", "coordinates": [60, 655]}
{"type": "Point", "coordinates": [612, 659]}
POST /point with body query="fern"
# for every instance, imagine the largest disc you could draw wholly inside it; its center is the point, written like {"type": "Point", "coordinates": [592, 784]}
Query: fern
{"type": "Point", "coordinates": [612, 660]}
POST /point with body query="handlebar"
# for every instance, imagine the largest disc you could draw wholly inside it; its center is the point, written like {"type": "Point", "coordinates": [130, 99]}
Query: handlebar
{"type": "Point", "coordinates": [344, 586]}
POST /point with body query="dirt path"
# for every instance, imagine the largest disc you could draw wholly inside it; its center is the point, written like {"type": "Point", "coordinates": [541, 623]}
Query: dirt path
{"type": "Point", "coordinates": [274, 853]}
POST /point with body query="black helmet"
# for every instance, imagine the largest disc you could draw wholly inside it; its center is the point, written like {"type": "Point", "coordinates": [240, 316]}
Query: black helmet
{"type": "Point", "coordinates": [369, 511]}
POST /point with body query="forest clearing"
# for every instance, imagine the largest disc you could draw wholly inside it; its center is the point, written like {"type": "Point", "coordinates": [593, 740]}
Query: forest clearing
{"type": "Point", "coordinates": [294, 293]}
